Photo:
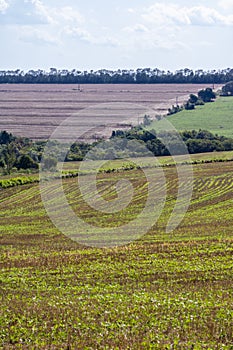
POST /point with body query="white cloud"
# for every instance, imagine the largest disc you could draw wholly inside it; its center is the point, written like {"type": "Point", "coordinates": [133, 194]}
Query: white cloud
{"type": "Point", "coordinates": [85, 35]}
{"type": "Point", "coordinates": [131, 10]}
{"type": "Point", "coordinates": [163, 14]}
{"type": "Point", "coordinates": [42, 11]}
{"type": "Point", "coordinates": [157, 30]}
{"type": "Point", "coordinates": [24, 12]}
{"type": "Point", "coordinates": [172, 14]}
{"type": "Point", "coordinates": [138, 28]}
{"type": "Point", "coordinates": [79, 32]}
{"type": "Point", "coordinates": [143, 38]}
{"type": "Point", "coordinates": [35, 12]}
{"type": "Point", "coordinates": [69, 14]}
{"type": "Point", "coordinates": [61, 24]}
{"type": "Point", "coordinates": [37, 35]}
{"type": "Point", "coordinates": [162, 26]}
{"type": "Point", "coordinates": [201, 15]}
{"type": "Point", "coordinates": [56, 15]}
{"type": "Point", "coordinates": [3, 6]}
{"type": "Point", "coordinates": [36, 22]}
{"type": "Point", "coordinates": [226, 4]}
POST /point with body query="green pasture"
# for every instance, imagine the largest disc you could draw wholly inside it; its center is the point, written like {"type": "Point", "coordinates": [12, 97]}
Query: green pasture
{"type": "Point", "coordinates": [216, 117]}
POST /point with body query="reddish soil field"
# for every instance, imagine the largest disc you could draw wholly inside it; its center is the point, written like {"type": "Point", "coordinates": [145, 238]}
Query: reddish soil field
{"type": "Point", "coordinates": [35, 111]}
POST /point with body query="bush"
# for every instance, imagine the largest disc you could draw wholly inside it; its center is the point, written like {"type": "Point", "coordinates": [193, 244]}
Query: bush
{"type": "Point", "coordinates": [189, 106]}
{"type": "Point", "coordinates": [193, 99]}
{"type": "Point", "coordinates": [174, 109]}
{"type": "Point", "coordinates": [206, 95]}
{"type": "Point", "coordinates": [199, 102]}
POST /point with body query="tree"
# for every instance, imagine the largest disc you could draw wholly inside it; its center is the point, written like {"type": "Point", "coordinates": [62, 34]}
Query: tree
{"type": "Point", "coordinates": [26, 162]}
{"type": "Point", "coordinates": [5, 137]}
{"type": "Point", "coordinates": [120, 76]}
{"type": "Point", "coordinates": [10, 156]}
{"type": "Point", "coordinates": [193, 99]}
{"type": "Point", "coordinates": [189, 106]}
{"type": "Point", "coordinates": [227, 90]}
{"type": "Point", "coordinates": [174, 109]}
{"type": "Point", "coordinates": [207, 95]}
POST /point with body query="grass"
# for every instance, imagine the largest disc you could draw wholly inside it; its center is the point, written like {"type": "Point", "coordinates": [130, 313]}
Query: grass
{"type": "Point", "coordinates": [160, 292]}
{"type": "Point", "coordinates": [215, 117]}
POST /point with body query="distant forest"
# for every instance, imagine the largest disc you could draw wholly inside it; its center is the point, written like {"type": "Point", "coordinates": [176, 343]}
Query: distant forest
{"type": "Point", "coordinates": [104, 76]}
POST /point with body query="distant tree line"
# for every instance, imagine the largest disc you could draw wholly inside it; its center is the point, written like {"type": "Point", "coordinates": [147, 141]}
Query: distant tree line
{"type": "Point", "coordinates": [120, 76]}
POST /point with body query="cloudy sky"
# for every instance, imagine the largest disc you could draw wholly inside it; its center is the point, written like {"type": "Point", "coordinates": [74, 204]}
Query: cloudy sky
{"type": "Point", "coordinates": [111, 34]}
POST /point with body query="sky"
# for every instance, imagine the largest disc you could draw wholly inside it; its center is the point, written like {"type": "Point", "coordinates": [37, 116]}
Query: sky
{"type": "Point", "coordinates": [116, 34]}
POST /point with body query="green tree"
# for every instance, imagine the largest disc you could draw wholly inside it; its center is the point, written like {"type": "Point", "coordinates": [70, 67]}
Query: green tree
{"type": "Point", "coordinates": [206, 95]}
{"type": "Point", "coordinates": [26, 162]}
{"type": "Point", "coordinates": [10, 156]}
{"type": "Point", "coordinates": [189, 106]}
{"type": "Point", "coordinates": [193, 99]}
{"type": "Point", "coordinates": [227, 90]}
{"type": "Point", "coordinates": [5, 137]}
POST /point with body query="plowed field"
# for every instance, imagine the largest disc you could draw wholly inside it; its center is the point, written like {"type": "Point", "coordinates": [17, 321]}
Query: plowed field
{"type": "Point", "coordinates": [35, 111]}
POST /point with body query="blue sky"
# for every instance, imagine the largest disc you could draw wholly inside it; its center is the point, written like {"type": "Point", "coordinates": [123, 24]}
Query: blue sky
{"type": "Point", "coordinates": [115, 34]}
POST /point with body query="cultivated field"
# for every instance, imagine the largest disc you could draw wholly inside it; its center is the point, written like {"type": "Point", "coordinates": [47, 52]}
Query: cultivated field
{"type": "Point", "coordinates": [34, 111]}
{"type": "Point", "coordinates": [164, 291]}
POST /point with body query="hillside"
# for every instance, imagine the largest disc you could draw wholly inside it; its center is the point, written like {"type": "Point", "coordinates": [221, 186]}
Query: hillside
{"type": "Point", "coordinates": [217, 117]}
{"type": "Point", "coordinates": [162, 291]}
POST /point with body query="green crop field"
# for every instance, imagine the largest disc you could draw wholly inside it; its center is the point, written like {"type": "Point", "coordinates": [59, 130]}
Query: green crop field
{"type": "Point", "coordinates": [164, 291]}
{"type": "Point", "coordinates": [217, 117]}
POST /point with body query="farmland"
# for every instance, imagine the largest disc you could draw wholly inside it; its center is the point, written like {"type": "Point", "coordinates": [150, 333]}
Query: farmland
{"type": "Point", "coordinates": [34, 111]}
{"type": "Point", "coordinates": [163, 291]}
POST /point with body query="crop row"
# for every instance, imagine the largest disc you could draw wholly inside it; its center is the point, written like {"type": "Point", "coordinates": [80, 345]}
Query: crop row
{"type": "Point", "coordinates": [5, 183]}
